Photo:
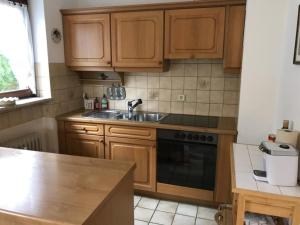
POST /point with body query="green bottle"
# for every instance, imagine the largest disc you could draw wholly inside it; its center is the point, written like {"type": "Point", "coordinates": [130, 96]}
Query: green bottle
{"type": "Point", "coordinates": [104, 103]}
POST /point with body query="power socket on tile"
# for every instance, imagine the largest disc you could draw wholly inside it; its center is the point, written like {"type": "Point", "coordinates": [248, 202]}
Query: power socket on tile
{"type": "Point", "coordinates": [181, 98]}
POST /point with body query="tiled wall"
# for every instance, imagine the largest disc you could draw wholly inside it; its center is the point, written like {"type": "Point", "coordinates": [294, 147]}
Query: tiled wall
{"type": "Point", "coordinates": [66, 93]}
{"type": "Point", "coordinates": [208, 91]}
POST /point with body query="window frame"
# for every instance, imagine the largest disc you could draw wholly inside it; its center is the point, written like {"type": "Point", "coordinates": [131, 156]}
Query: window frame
{"type": "Point", "coordinates": [22, 93]}
{"type": "Point", "coordinates": [22, 2]}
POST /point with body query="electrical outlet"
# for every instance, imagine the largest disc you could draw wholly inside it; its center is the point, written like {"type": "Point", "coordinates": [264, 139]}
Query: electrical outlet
{"type": "Point", "coordinates": [181, 98]}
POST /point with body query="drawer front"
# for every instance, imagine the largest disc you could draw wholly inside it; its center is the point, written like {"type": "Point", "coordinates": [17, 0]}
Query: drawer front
{"type": "Point", "coordinates": [84, 128]}
{"type": "Point", "coordinates": [130, 132]}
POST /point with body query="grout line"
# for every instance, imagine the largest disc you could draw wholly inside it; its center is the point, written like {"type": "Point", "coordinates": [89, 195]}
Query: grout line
{"type": "Point", "coordinates": [154, 210]}
{"type": "Point", "coordinates": [175, 213]}
{"type": "Point", "coordinates": [197, 214]}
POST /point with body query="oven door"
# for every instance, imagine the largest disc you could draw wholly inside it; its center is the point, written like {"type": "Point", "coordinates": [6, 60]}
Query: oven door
{"type": "Point", "coordinates": [186, 164]}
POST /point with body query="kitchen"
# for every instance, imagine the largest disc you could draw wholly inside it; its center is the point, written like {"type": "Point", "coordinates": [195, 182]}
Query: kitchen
{"type": "Point", "coordinates": [190, 100]}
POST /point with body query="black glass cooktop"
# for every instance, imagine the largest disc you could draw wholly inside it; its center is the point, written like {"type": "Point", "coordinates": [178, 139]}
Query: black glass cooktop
{"type": "Point", "coordinates": [190, 120]}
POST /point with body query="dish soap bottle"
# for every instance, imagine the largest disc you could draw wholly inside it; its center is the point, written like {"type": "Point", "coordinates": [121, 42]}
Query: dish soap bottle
{"type": "Point", "coordinates": [104, 103]}
{"type": "Point", "coordinates": [97, 104]}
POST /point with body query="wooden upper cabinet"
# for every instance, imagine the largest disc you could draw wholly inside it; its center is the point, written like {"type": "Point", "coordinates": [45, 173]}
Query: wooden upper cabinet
{"type": "Point", "coordinates": [137, 39]}
{"type": "Point", "coordinates": [234, 40]}
{"type": "Point", "coordinates": [87, 40]}
{"type": "Point", "coordinates": [194, 33]}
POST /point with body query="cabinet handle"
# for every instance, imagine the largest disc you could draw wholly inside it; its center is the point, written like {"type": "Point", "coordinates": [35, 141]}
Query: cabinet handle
{"type": "Point", "coordinates": [101, 141]}
{"type": "Point", "coordinates": [109, 62]}
{"type": "Point", "coordinates": [160, 62]}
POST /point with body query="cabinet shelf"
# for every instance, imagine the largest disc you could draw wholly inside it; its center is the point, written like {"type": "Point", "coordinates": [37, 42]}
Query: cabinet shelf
{"type": "Point", "coordinates": [105, 78]}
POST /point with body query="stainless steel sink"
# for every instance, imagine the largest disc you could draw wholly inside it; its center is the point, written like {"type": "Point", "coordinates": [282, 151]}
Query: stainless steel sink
{"type": "Point", "coordinates": [136, 116]}
{"type": "Point", "coordinates": [107, 114]}
{"type": "Point", "coordinates": [142, 117]}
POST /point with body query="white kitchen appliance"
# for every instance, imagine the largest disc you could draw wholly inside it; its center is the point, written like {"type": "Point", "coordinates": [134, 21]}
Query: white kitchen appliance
{"type": "Point", "coordinates": [281, 164]}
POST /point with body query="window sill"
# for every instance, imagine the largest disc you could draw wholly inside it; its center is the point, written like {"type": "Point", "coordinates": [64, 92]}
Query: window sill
{"type": "Point", "coordinates": [25, 103]}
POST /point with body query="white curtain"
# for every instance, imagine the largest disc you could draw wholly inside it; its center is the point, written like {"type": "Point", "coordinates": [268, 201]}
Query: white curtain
{"type": "Point", "coordinates": [16, 42]}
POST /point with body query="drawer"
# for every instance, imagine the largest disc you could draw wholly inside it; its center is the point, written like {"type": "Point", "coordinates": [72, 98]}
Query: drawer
{"type": "Point", "coordinates": [84, 128]}
{"type": "Point", "coordinates": [130, 132]}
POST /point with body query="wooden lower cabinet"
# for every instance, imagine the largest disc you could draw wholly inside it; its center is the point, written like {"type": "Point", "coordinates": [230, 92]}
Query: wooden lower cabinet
{"type": "Point", "coordinates": [142, 152]}
{"type": "Point", "coordinates": [223, 178]}
{"type": "Point", "coordinates": [85, 145]}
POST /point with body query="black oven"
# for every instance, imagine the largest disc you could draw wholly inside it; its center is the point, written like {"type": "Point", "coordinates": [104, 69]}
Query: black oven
{"type": "Point", "coordinates": [187, 159]}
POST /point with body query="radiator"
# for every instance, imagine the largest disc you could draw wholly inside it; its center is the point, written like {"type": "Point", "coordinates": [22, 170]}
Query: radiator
{"type": "Point", "coordinates": [30, 142]}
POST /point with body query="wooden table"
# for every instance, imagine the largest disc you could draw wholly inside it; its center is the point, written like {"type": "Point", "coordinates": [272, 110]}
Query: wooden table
{"type": "Point", "coordinates": [43, 188]}
{"type": "Point", "coordinates": [255, 196]}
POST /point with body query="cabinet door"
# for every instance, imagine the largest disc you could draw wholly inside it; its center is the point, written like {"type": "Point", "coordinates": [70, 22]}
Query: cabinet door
{"type": "Point", "coordinates": [194, 33]}
{"type": "Point", "coordinates": [234, 38]}
{"type": "Point", "coordinates": [137, 39]}
{"type": "Point", "coordinates": [85, 145]}
{"type": "Point", "coordinates": [142, 152]}
{"type": "Point", "coordinates": [87, 40]}
{"type": "Point", "coordinates": [223, 177]}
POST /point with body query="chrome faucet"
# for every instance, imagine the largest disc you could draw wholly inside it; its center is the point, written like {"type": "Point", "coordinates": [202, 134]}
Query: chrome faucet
{"type": "Point", "coordinates": [132, 106]}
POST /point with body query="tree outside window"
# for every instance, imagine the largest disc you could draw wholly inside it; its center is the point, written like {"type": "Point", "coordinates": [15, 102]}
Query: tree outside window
{"type": "Point", "coordinates": [8, 81]}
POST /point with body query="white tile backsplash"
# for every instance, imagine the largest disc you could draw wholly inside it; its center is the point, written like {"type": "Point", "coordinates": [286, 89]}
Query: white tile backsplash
{"type": "Point", "coordinates": [207, 90]}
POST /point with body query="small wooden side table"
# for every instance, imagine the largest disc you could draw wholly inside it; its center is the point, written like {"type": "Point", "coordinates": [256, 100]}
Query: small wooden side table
{"type": "Point", "coordinates": [254, 196]}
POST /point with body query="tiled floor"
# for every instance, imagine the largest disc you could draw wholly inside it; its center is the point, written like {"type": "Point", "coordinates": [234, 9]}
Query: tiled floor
{"type": "Point", "coordinates": [149, 211]}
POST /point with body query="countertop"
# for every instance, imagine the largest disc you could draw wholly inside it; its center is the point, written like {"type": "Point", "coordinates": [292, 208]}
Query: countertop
{"type": "Point", "coordinates": [55, 189]}
{"type": "Point", "coordinates": [247, 158]}
{"type": "Point", "coordinates": [226, 125]}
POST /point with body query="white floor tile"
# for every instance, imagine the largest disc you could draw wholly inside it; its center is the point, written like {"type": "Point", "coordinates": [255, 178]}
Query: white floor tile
{"type": "Point", "coordinates": [143, 214]}
{"type": "Point", "coordinates": [148, 203]}
{"type": "Point", "coordinates": [206, 213]}
{"type": "Point", "coordinates": [186, 209]}
{"type": "Point", "coordinates": [163, 218]}
{"type": "Point", "coordinates": [167, 206]}
{"type": "Point", "coordinates": [139, 222]}
{"type": "Point", "coordinates": [136, 200]}
{"type": "Point", "coordinates": [183, 220]}
{"type": "Point", "coordinates": [205, 222]}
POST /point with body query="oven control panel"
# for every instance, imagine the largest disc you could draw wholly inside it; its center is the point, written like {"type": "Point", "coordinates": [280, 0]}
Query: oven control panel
{"type": "Point", "coordinates": [187, 136]}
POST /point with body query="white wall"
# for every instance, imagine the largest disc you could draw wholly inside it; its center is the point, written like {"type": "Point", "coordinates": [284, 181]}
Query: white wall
{"type": "Point", "coordinates": [289, 107]}
{"type": "Point", "coordinates": [37, 17]}
{"type": "Point", "coordinates": [269, 79]}
{"type": "Point", "coordinates": [53, 19]}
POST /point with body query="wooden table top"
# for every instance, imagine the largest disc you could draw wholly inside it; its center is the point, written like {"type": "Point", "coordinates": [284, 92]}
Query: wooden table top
{"type": "Point", "coordinates": [247, 158]}
{"type": "Point", "coordinates": [58, 189]}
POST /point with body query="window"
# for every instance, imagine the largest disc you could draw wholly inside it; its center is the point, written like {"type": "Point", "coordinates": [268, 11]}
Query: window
{"type": "Point", "coordinates": [16, 50]}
